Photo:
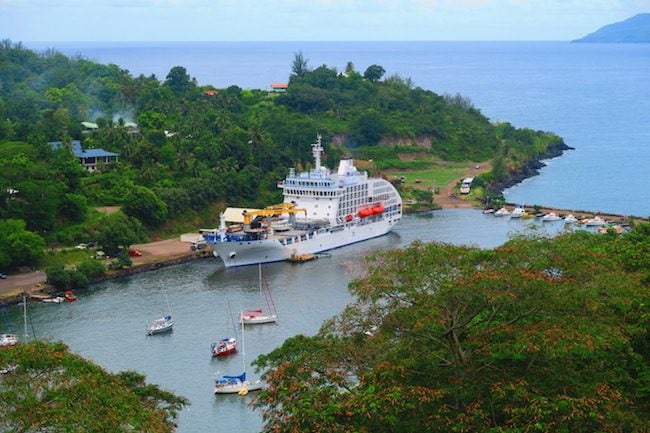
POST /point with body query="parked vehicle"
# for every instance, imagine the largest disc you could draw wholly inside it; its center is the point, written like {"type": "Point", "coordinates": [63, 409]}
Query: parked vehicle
{"type": "Point", "coordinates": [199, 245]}
{"type": "Point", "coordinates": [3, 276]}
{"type": "Point", "coordinates": [135, 253]}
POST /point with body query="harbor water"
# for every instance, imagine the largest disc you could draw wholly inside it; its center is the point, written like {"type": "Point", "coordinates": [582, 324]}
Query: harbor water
{"type": "Point", "coordinates": [108, 322]}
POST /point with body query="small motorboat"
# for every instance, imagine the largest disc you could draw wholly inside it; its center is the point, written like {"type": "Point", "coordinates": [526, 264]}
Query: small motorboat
{"type": "Point", "coordinates": [550, 217]}
{"type": "Point", "coordinates": [69, 296]}
{"type": "Point", "coordinates": [502, 212]}
{"type": "Point", "coordinates": [570, 219]}
{"type": "Point", "coordinates": [595, 221]}
{"type": "Point", "coordinates": [164, 324]}
{"type": "Point", "coordinates": [54, 300]}
{"type": "Point", "coordinates": [488, 211]}
{"type": "Point", "coordinates": [518, 212]}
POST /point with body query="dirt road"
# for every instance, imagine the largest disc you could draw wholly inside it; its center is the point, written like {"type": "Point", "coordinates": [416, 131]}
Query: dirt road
{"type": "Point", "coordinates": [32, 282]}
{"type": "Point", "coordinates": [447, 197]}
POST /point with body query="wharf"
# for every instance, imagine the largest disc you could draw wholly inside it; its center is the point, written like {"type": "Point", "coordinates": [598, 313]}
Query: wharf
{"type": "Point", "coordinates": [581, 214]}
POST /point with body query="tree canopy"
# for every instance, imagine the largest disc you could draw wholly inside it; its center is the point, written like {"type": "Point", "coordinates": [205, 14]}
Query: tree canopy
{"type": "Point", "coordinates": [536, 335]}
{"type": "Point", "coordinates": [45, 387]}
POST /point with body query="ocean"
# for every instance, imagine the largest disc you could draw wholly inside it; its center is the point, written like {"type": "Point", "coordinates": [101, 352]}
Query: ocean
{"type": "Point", "coordinates": [596, 96]}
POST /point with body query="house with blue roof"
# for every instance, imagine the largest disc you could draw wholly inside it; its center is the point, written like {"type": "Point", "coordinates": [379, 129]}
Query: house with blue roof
{"type": "Point", "coordinates": [91, 159]}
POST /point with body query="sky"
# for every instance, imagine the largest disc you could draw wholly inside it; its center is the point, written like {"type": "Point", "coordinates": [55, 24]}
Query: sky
{"type": "Point", "coordinates": [308, 20]}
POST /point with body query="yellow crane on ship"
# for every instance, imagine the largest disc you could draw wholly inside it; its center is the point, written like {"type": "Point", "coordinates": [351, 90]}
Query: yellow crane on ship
{"type": "Point", "coordinates": [276, 209]}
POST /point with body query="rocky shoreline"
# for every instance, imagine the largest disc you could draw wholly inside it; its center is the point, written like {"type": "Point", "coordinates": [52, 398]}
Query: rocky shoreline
{"type": "Point", "coordinates": [531, 168]}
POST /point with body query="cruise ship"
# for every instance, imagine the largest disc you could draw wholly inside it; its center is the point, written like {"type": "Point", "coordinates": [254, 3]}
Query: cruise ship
{"type": "Point", "coordinates": [322, 210]}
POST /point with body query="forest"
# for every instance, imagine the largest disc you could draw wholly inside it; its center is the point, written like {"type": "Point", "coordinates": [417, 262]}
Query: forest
{"type": "Point", "coordinates": [185, 150]}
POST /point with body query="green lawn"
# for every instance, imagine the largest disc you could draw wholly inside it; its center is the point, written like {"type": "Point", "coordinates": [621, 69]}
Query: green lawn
{"type": "Point", "coordinates": [65, 257]}
{"type": "Point", "coordinates": [437, 176]}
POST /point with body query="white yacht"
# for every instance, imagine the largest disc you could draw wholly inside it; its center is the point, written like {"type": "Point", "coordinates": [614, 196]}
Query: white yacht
{"type": "Point", "coordinates": [322, 210]}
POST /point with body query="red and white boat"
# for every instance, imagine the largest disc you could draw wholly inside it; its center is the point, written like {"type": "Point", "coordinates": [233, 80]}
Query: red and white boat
{"type": "Point", "coordinates": [224, 347]}
{"type": "Point", "coordinates": [228, 345]}
{"type": "Point", "coordinates": [258, 316]}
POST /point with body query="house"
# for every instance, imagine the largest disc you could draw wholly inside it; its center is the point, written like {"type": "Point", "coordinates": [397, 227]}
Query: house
{"type": "Point", "coordinates": [91, 159]}
{"type": "Point", "coordinates": [89, 126]}
{"type": "Point", "coordinates": [279, 88]}
{"type": "Point", "coordinates": [211, 92]}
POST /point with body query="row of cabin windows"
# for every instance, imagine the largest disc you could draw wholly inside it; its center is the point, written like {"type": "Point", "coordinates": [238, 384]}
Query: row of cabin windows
{"type": "Point", "coordinates": [312, 193]}
{"type": "Point", "coordinates": [312, 184]}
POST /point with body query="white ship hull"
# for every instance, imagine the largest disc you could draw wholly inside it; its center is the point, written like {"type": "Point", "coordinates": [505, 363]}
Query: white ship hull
{"type": "Point", "coordinates": [272, 250]}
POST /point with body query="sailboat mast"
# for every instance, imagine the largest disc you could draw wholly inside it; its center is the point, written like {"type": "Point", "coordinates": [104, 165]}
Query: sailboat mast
{"type": "Point", "coordinates": [243, 347]}
{"type": "Point", "coordinates": [25, 318]}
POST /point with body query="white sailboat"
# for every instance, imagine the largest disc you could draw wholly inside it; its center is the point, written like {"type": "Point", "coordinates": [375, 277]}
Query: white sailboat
{"type": "Point", "coordinates": [237, 384]}
{"type": "Point", "coordinates": [7, 340]}
{"type": "Point", "coordinates": [163, 324]}
{"type": "Point", "coordinates": [259, 316]}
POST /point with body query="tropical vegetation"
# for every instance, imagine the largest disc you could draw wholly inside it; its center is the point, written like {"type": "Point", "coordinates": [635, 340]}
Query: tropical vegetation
{"type": "Point", "coordinates": [184, 147]}
{"type": "Point", "coordinates": [45, 387]}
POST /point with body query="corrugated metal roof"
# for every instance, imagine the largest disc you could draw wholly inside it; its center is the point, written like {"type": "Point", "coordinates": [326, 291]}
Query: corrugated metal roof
{"type": "Point", "coordinates": [235, 214]}
{"type": "Point", "coordinates": [95, 153]}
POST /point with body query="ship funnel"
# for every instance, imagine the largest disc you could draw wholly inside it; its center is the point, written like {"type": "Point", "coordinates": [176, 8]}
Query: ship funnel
{"type": "Point", "coordinates": [346, 167]}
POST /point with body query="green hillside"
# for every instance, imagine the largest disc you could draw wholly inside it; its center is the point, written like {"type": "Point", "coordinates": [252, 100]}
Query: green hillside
{"type": "Point", "coordinates": [179, 147]}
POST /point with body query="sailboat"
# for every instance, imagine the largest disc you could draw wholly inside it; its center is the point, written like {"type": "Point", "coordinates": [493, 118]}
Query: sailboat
{"type": "Point", "coordinates": [227, 345]}
{"type": "Point", "coordinates": [258, 316]}
{"type": "Point", "coordinates": [237, 384]}
{"type": "Point", "coordinates": [163, 324]}
{"type": "Point", "coordinates": [7, 340]}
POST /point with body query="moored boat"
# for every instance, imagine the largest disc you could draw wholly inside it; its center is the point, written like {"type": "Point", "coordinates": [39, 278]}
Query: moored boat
{"type": "Point", "coordinates": [595, 221]}
{"type": "Point", "coordinates": [551, 216]}
{"type": "Point", "coordinates": [518, 212]}
{"type": "Point", "coordinates": [258, 316]}
{"type": "Point", "coordinates": [7, 340]}
{"type": "Point", "coordinates": [228, 345]}
{"type": "Point", "coordinates": [322, 210]}
{"type": "Point", "coordinates": [158, 326]}
{"type": "Point", "coordinates": [502, 212]}
{"type": "Point", "coordinates": [570, 219]}
{"type": "Point", "coordinates": [69, 296]}
{"type": "Point", "coordinates": [224, 347]}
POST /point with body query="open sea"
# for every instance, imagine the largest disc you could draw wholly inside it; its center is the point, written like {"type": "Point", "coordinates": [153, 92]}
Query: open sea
{"type": "Point", "coordinates": [595, 96]}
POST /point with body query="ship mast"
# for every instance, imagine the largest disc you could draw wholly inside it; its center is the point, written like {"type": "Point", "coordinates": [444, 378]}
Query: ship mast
{"type": "Point", "coordinates": [316, 150]}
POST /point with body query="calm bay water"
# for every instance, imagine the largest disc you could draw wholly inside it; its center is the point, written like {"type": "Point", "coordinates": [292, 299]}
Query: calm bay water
{"type": "Point", "coordinates": [108, 322]}
{"type": "Point", "coordinates": [596, 96]}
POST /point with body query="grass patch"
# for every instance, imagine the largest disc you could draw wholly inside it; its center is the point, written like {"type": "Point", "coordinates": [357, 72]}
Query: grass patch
{"type": "Point", "coordinates": [437, 176]}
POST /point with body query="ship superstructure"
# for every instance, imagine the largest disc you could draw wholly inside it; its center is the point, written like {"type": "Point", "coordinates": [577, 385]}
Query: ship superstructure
{"type": "Point", "coordinates": [322, 210]}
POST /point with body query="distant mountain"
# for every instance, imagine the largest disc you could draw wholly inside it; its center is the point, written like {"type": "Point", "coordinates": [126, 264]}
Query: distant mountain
{"type": "Point", "coordinates": [632, 30]}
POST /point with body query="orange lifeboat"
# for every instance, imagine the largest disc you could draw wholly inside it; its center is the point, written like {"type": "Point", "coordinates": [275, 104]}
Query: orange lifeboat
{"type": "Point", "coordinates": [378, 209]}
{"type": "Point", "coordinates": [348, 217]}
{"type": "Point", "coordinates": [365, 212]}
